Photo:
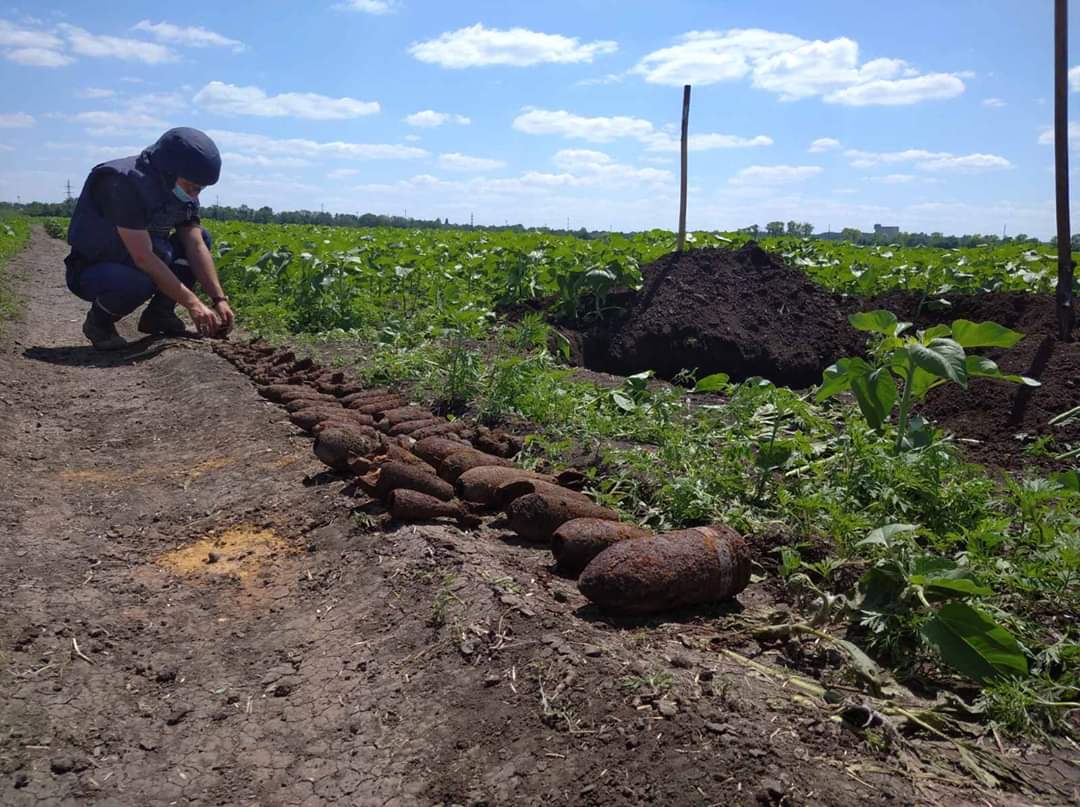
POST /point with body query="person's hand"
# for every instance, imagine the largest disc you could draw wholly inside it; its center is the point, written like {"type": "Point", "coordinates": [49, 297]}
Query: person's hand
{"type": "Point", "coordinates": [206, 321]}
{"type": "Point", "coordinates": [226, 315]}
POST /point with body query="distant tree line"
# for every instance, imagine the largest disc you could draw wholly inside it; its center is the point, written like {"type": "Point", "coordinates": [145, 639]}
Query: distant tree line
{"type": "Point", "coordinates": [266, 215]}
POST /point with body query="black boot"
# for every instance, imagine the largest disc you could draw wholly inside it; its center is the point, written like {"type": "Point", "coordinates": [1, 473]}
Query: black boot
{"type": "Point", "coordinates": [100, 329]}
{"type": "Point", "coordinates": [159, 318]}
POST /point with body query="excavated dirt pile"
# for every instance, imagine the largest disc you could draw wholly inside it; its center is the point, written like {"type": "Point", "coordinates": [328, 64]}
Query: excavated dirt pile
{"type": "Point", "coordinates": [742, 312]}
{"type": "Point", "coordinates": [1004, 419]}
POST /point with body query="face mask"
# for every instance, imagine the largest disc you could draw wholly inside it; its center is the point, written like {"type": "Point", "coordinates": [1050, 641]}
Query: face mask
{"type": "Point", "coordinates": [182, 195]}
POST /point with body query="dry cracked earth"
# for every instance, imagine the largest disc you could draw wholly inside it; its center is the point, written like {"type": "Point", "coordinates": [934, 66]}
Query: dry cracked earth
{"type": "Point", "coordinates": [191, 613]}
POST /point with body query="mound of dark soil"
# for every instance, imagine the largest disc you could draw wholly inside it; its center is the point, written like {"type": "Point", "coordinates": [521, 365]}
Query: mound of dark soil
{"type": "Point", "coordinates": [741, 312]}
{"type": "Point", "coordinates": [997, 414]}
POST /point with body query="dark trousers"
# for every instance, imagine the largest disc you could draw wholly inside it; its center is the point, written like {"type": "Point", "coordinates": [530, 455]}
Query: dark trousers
{"type": "Point", "coordinates": [119, 288]}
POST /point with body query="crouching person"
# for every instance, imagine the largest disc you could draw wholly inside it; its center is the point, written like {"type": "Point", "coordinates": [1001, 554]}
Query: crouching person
{"type": "Point", "coordinates": [135, 236]}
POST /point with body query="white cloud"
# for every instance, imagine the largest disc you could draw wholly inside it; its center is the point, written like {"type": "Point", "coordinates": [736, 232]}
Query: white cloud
{"type": "Point", "coordinates": [894, 179]}
{"type": "Point", "coordinates": [1074, 78]}
{"type": "Point", "coordinates": [95, 92]}
{"type": "Point", "coordinates": [994, 103]}
{"type": "Point", "coordinates": [110, 122]}
{"type": "Point", "coordinates": [16, 120]}
{"type": "Point", "coordinates": [6, 147]}
{"type": "Point", "coordinates": [824, 144]}
{"type": "Point", "coordinates": [85, 43]}
{"type": "Point", "coordinates": [794, 68]}
{"type": "Point", "coordinates": [429, 118]}
{"type": "Point", "coordinates": [1046, 137]}
{"type": "Point", "coordinates": [230, 99]}
{"type": "Point", "coordinates": [192, 36]}
{"type": "Point", "coordinates": [38, 57]}
{"type": "Point", "coordinates": [610, 78]}
{"type": "Point", "coordinates": [662, 141]}
{"type": "Point", "coordinates": [569, 125]}
{"type": "Point", "coordinates": [263, 161]}
{"type": "Point", "coordinates": [605, 129]}
{"type": "Point", "coordinates": [927, 160]}
{"type": "Point", "coordinates": [12, 36]}
{"type": "Point", "coordinates": [462, 162]}
{"type": "Point", "coordinates": [311, 149]}
{"type": "Point", "coordinates": [343, 173]}
{"type": "Point", "coordinates": [413, 138]}
{"type": "Point", "coordinates": [966, 162]}
{"type": "Point", "coordinates": [477, 46]}
{"type": "Point", "coordinates": [369, 6]}
{"type": "Point", "coordinates": [775, 174]}
{"type": "Point", "coordinates": [585, 167]}
{"type": "Point", "coordinates": [900, 92]}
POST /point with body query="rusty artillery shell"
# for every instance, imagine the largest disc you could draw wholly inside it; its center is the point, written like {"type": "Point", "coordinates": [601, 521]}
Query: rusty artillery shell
{"type": "Point", "coordinates": [335, 446]}
{"type": "Point", "coordinates": [275, 392]}
{"type": "Point", "coordinates": [445, 429]}
{"type": "Point", "coordinates": [341, 417]}
{"type": "Point", "coordinates": [575, 543]}
{"type": "Point", "coordinates": [394, 475]}
{"type": "Point", "coordinates": [461, 461]}
{"type": "Point", "coordinates": [516, 488]}
{"type": "Point", "coordinates": [479, 484]}
{"type": "Point", "coordinates": [410, 426]}
{"type": "Point", "coordinates": [376, 405]}
{"type": "Point", "coordinates": [435, 449]}
{"type": "Point", "coordinates": [412, 505]}
{"type": "Point", "coordinates": [401, 414]}
{"type": "Point", "coordinates": [366, 395]}
{"type": "Point", "coordinates": [670, 570]}
{"type": "Point", "coordinates": [537, 515]}
{"type": "Point", "coordinates": [311, 402]}
{"type": "Point", "coordinates": [498, 442]}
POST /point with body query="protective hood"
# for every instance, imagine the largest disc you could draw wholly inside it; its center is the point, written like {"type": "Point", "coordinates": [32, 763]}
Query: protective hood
{"type": "Point", "coordinates": [188, 153]}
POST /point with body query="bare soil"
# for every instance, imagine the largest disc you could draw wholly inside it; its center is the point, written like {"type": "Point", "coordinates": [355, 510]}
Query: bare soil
{"type": "Point", "coordinates": [191, 613]}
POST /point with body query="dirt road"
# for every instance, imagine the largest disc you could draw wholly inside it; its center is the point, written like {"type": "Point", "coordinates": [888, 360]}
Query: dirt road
{"type": "Point", "coordinates": [191, 614]}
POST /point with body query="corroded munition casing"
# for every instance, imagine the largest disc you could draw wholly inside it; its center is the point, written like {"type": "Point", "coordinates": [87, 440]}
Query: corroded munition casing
{"type": "Point", "coordinates": [335, 446]}
{"type": "Point", "coordinates": [479, 484]}
{"type": "Point", "coordinates": [671, 570]}
{"type": "Point", "coordinates": [446, 429]}
{"type": "Point", "coordinates": [461, 461]}
{"type": "Point", "coordinates": [376, 405]}
{"type": "Point", "coordinates": [394, 475]}
{"type": "Point", "coordinates": [412, 505]}
{"type": "Point", "coordinates": [575, 543]}
{"type": "Point", "coordinates": [537, 515]}
{"type": "Point", "coordinates": [435, 449]}
{"type": "Point", "coordinates": [515, 489]}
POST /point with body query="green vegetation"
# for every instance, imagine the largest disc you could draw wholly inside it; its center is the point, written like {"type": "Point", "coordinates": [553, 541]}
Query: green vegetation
{"type": "Point", "coordinates": [874, 524]}
{"type": "Point", "coordinates": [14, 233]}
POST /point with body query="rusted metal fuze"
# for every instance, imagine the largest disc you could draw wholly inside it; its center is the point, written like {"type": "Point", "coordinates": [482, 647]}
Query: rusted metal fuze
{"type": "Point", "coordinates": [577, 542]}
{"type": "Point", "coordinates": [537, 515]}
{"type": "Point", "coordinates": [670, 570]}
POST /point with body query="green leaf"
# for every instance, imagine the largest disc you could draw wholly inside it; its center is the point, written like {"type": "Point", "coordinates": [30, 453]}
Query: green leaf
{"type": "Point", "coordinates": [1069, 480]}
{"type": "Point", "coordinates": [882, 586]}
{"type": "Point", "coordinates": [942, 578]}
{"type": "Point", "coordinates": [774, 455]}
{"type": "Point", "coordinates": [837, 378]}
{"type": "Point", "coordinates": [883, 535]}
{"type": "Point", "coordinates": [983, 334]}
{"type": "Point", "coordinates": [876, 395]}
{"type": "Point", "coordinates": [880, 321]}
{"type": "Point", "coordinates": [973, 644]}
{"type": "Point", "coordinates": [982, 367]}
{"type": "Point", "coordinates": [623, 401]}
{"type": "Point", "coordinates": [712, 383]}
{"type": "Point", "coordinates": [940, 357]}
{"type": "Point", "coordinates": [935, 331]}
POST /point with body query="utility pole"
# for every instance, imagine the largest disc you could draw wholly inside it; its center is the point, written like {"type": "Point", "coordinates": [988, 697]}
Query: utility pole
{"type": "Point", "coordinates": [68, 188]}
{"type": "Point", "coordinates": [682, 180]}
{"type": "Point", "coordinates": [470, 219]}
{"type": "Point", "coordinates": [1065, 315]}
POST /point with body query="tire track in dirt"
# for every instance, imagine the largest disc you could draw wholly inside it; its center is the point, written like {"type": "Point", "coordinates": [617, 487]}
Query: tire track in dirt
{"type": "Point", "coordinates": [190, 614]}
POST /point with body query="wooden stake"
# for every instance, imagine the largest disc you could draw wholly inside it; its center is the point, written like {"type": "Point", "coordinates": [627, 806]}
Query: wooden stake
{"type": "Point", "coordinates": [682, 181]}
{"type": "Point", "coordinates": [1065, 314]}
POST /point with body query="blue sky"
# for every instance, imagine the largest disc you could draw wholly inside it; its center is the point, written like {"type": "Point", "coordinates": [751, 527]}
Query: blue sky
{"type": "Point", "coordinates": [929, 115]}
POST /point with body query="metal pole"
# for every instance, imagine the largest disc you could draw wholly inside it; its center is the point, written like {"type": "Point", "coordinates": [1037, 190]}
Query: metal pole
{"type": "Point", "coordinates": [1064, 297]}
{"type": "Point", "coordinates": [682, 182]}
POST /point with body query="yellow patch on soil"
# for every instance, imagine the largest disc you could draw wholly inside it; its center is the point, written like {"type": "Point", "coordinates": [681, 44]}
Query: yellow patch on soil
{"type": "Point", "coordinates": [209, 465]}
{"type": "Point", "coordinates": [239, 552]}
